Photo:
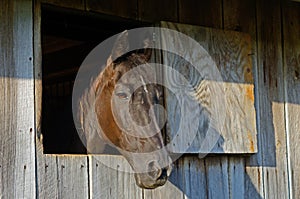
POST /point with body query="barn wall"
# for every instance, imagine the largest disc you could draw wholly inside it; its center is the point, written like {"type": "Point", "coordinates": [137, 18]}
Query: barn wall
{"type": "Point", "coordinates": [264, 175]}
{"type": "Point", "coordinates": [272, 173]}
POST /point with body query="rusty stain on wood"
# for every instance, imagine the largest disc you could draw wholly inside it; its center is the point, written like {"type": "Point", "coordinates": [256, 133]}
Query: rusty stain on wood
{"type": "Point", "coordinates": [248, 73]}
{"type": "Point", "coordinates": [250, 93]}
{"type": "Point", "coordinates": [252, 148]}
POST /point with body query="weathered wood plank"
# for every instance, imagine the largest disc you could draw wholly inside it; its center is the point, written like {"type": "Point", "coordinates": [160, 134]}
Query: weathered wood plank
{"type": "Point", "coordinates": [204, 13]}
{"type": "Point", "coordinates": [272, 130]}
{"type": "Point", "coordinates": [157, 10]}
{"type": "Point", "coordinates": [194, 181]}
{"type": "Point", "coordinates": [217, 177]}
{"type": "Point", "coordinates": [110, 178]}
{"type": "Point", "coordinates": [291, 32]}
{"type": "Point", "coordinates": [236, 177]}
{"type": "Point", "coordinates": [213, 177]}
{"type": "Point", "coordinates": [169, 190]}
{"type": "Point", "coordinates": [17, 152]}
{"type": "Point", "coordinates": [73, 180]}
{"type": "Point", "coordinates": [37, 59]}
{"type": "Point", "coordinates": [241, 16]}
{"type": "Point", "coordinates": [47, 175]}
{"type": "Point", "coordinates": [227, 100]}
{"type": "Point", "coordinates": [127, 9]}
{"type": "Point", "coordinates": [74, 4]}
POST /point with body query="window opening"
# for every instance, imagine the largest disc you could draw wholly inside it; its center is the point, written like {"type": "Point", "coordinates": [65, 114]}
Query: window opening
{"type": "Point", "coordinates": [67, 38]}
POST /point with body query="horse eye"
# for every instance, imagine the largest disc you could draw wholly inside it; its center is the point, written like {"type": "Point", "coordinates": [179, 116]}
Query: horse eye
{"type": "Point", "coordinates": [122, 95]}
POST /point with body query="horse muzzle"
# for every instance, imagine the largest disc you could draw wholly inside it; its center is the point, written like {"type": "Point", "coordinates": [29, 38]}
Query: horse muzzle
{"type": "Point", "coordinates": [154, 178]}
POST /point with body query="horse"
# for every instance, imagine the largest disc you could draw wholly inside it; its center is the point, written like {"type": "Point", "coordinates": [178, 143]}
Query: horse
{"type": "Point", "coordinates": [101, 112]}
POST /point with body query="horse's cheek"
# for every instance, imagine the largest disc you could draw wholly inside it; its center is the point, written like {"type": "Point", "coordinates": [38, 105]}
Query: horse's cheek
{"type": "Point", "coordinates": [105, 118]}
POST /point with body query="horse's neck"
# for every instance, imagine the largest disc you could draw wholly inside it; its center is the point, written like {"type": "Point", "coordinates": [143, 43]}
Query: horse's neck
{"type": "Point", "coordinates": [88, 118]}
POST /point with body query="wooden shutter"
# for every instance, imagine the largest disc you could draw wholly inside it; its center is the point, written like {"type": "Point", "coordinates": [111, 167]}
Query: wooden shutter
{"type": "Point", "coordinates": [233, 108]}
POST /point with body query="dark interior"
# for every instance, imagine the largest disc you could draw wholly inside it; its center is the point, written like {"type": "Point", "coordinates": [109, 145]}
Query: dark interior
{"type": "Point", "coordinates": [67, 38]}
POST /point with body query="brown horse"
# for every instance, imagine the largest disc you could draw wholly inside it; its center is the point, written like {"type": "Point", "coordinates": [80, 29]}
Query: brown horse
{"type": "Point", "coordinates": [122, 114]}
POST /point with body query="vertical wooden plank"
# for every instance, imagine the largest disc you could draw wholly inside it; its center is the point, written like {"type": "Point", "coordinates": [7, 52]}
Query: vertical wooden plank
{"type": "Point", "coordinates": [127, 9]}
{"type": "Point", "coordinates": [271, 98]}
{"type": "Point", "coordinates": [291, 32]}
{"type": "Point", "coordinates": [241, 16]}
{"type": "Point", "coordinates": [203, 13]}
{"type": "Point", "coordinates": [37, 59]}
{"type": "Point", "coordinates": [194, 181]}
{"type": "Point", "coordinates": [47, 176]}
{"type": "Point", "coordinates": [169, 190]}
{"type": "Point", "coordinates": [217, 177]}
{"type": "Point", "coordinates": [236, 175]}
{"type": "Point", "coordinates": [46, 165]}
{"type": "Point", "coordinates": [22, 80]}
{"type": "Point", "coordinates": [214, 20]}
{"type": "Point", "coordinates": [110, 178]}
{"type": "Point", "coordinates": [156, 10]}
{"type": "Point", "coordinates": [75, 4]}
{"type": "Point", "coordinates": [17, 152]}
{"type": "Point", "coordinates": [73, 180]}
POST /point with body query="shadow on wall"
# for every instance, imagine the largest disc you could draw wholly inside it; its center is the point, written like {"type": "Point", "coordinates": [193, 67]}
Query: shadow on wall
{"type": "Point", "coordinates": [211, 177]}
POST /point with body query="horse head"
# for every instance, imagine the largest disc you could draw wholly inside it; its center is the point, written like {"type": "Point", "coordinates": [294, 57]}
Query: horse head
{"type": "Point", "coordinates": [126, 114]}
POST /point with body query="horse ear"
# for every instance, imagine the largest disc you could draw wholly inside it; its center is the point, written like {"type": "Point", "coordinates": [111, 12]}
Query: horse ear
{"type": "Point", "coordinates": [121, 46]}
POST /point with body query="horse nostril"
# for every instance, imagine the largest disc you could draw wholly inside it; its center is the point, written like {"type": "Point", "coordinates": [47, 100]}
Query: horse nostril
{"type": "Point", "coordinates": [164, 174]}
{"type": "Point", "coordinates": [153, 170]}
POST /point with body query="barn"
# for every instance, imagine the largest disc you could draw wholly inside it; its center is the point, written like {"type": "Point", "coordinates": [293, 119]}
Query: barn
{"type": "Point", "coordinates": [257, 45]}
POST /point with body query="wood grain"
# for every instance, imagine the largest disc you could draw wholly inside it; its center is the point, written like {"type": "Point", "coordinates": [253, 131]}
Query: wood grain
{"type": "Point", "coordinates": [204, 13]}
{"type": "Point", "coordinates": [291, 50]}
{"type": "Point", "coordinates": [47, 176]}
{"type": "Point", "coordinates": [17, 149]}
{"type": "Point", "coordinates": [271, 101]}
{"type": "Point", "coordinates": [37, 59]}
{"type": "Point", "coordinates": [63, 176]}
{"type": "Point", "coordinates": [236, 177]}
{"type": "Point", "coordinates": [74, 4]}
{"type": "Point", "coordinates": [108, 178]}
{"type": "Point", "coordinates": [150, 11]}
{"type": "Point", "coordinates": [241, 16]}
{"type": "Point", "coordinates": [217, 177]}
{"type": "Point", "coordinates": [127, 9]}
{"type": "Point", "coordinates": [72, 177]}
{"type": "Point", "coordinates": [230, 51]}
